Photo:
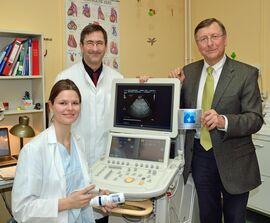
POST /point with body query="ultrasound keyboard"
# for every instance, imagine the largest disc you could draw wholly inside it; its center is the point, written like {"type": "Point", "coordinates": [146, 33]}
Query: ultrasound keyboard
{"type": "Point", "coordinates": [139, 177]}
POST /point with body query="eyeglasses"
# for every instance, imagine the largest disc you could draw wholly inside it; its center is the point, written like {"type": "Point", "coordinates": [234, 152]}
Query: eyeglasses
{"type": "Point", "coordinates": [205, 39]}
{"type": "Point", "coordinates": [91, 43]}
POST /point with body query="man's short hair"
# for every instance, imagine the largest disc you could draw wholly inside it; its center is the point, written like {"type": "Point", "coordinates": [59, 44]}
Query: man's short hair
{"type": "Point", "coordinates": [93, 28]}
{"type": "Point", "coordinates": [208, 22]}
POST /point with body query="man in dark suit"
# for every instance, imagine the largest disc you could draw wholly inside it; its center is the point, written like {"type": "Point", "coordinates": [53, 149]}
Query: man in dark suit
{"type": "Point", "coordinates": [227, 169]}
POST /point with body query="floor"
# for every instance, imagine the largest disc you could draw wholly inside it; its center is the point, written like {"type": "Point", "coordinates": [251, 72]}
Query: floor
{"type": "Point", "coordinates": [253, 217]}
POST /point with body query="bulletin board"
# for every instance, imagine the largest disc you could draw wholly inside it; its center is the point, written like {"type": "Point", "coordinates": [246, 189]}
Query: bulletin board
{"type": "Point", "coordinates": [78, 14]}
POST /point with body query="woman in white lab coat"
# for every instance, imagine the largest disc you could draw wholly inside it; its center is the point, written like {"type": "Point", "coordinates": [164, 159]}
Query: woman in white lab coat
{"type": "Point", "coordinates": [52, 183]}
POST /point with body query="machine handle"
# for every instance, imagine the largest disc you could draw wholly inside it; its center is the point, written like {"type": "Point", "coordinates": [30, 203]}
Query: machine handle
{"type": "Point", "coordinates": [134, 208]}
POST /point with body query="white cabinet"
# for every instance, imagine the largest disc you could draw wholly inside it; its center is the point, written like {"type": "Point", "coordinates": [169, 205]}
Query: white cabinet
{"type": "Point", "coordinates": [259, 198]}
{"type": "Point", "coordinates": [13, 88]}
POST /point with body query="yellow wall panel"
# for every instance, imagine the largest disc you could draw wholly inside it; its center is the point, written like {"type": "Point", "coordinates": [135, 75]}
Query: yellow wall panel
{"type": "Point", "coordinates": [247, 24]}
{"type": "Point", "coordinates": [136, 26]}
{"type": "Point", "coordinates": [44, 17]}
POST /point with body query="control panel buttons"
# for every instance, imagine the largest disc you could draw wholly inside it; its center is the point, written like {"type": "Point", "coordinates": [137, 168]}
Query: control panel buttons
{"type": "Point", "coordinates": [129, 179]}
{"type": "Point", "coordinates": [141, 183]}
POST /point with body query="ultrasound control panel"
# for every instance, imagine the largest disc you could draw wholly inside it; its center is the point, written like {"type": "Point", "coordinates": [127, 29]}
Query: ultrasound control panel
{"type": "Point", "coordinates": [137, 165]}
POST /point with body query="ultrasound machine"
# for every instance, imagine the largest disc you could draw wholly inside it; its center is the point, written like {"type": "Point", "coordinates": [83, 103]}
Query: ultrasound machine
{"type": "Point", "coordinates": [144, 156]}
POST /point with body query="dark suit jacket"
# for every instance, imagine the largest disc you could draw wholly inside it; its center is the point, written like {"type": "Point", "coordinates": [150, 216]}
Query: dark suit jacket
{"type": "Point", "coordinates": [237, 96]}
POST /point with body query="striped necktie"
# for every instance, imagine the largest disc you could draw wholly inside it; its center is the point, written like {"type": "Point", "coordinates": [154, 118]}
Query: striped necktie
{"type": "Point", "coordinates": [207, 98]}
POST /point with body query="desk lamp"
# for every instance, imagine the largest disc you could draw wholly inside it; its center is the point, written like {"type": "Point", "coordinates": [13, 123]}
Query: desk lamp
{"type": "Point", "coordinates": [22, 130]}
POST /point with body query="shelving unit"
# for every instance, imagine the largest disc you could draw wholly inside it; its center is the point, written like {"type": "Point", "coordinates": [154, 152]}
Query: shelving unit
{"type": "Point", "coordinates": [259, 197]}
{"type": "Point", "coordinates": [12, 90]}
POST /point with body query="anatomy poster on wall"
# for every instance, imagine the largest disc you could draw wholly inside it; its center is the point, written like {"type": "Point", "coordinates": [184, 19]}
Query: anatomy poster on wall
{"type": "Point", "coordinates": [80, 13]}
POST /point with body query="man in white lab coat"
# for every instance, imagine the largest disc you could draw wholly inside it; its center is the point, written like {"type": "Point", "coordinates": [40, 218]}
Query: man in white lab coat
{"type": "Point", "coordinates": [94, 79]}
{"type": "Point", "coordinates": [93, 122]}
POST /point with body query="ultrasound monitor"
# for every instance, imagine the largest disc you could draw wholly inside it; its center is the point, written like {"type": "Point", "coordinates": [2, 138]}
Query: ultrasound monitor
{"type": "Point", "coordinates": [142, 148]}
{"type": "Point", "coordinates": [146, 108]}
{"type": "Point", "coordinates": [137, 148]}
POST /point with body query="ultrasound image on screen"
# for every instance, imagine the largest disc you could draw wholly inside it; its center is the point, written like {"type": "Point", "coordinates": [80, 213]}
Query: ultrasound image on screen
{"type": "Point", "coordinates": [144, 106]}
{"type": "Point", "coordinates": [137, 148]}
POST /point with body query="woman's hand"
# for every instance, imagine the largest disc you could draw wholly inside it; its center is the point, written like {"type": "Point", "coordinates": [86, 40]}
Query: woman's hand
{"type": "Point", "coordinates": [77, 199]}
{"type": "Point", "coordinates": [107, 208]}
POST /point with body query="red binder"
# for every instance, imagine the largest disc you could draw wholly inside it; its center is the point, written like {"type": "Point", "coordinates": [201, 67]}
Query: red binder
{"type": "Point", "coordinates": [35, 57]}
{"type": "Point", "coordinates": [12, 55]}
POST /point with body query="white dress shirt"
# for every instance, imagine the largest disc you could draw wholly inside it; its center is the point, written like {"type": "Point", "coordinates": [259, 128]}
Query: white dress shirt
{"type": "Point", "coordinates": [216, 74]}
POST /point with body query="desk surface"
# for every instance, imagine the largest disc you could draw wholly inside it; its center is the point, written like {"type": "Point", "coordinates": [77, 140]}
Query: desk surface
{"type": "Point", "coordinates": [5, 184]}
{"type": "Point", "coordinates": [9, 173]}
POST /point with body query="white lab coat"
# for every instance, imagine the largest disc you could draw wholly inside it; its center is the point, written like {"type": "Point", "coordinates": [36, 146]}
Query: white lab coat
{"type": "Point", "coordinates": [40, 180]}
{"type": "Point", "coordinates": [93, 123]}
